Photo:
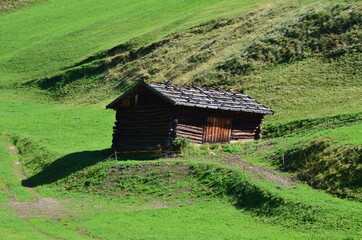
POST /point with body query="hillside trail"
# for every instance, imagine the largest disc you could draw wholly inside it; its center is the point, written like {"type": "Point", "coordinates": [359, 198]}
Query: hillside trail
{"type": "Point", "coordinates": [260, 172]}
{"type": "Point", "coordinates": [256, 171]}
{"type": "Point", "coordinates": [36, 206]}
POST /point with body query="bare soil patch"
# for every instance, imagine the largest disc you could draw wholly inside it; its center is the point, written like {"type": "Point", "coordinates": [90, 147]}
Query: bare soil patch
{"type": "Point", "coordinates": [36, 207]}
{"type": "Point", "coordinates": [7, 5]}
{"type": "Point", "coordinates": [261, 172]}
{"type": "Point", "coordinates": [12, 149]}
{"type": "Point", "coordinates": [41, 207]}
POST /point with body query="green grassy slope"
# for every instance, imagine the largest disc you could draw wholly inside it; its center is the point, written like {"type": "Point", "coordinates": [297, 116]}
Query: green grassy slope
{"type": "Point", "coordinates": [302, 60]}
{"type": "Point", "coordinates": [9, 5]}
{"type": "Point", "coordinates": [60, 128]}
{"type": "Point", "coordinates": [182, 193]}
{"type": "Point", "coordinates": [61, 61]}
{"type": "Point", "coordinates": [52, 35]}
{"type": "Point", "coordinates": [11, 226]}
{"type": "Point", "coordinates": [326, 159]}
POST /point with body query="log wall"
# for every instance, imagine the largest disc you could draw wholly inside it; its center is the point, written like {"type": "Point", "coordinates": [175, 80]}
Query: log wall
{"type": "Point", "coordinates": [193, 123]}
{"type": "Point", "coordinates": [246, 130]}
{"type": "Point", "coordinates": [143, 128]}
{"type": "Point", "coordinates": [155, 127]}
{"type": "Point", "coordinates": [190, 126]}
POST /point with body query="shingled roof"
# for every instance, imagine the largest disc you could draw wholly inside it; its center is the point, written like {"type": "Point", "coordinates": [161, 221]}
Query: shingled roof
{"type": "Point", "coordinates": [192, 96]}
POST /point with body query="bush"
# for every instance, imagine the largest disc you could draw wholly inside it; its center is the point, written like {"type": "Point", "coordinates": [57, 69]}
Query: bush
{"type": "Point", "coordinates": [181, 143]}
{"type": "Point", "coordinates": [236, 66]}
{"type": "Point", "coordinates": [324, 165]}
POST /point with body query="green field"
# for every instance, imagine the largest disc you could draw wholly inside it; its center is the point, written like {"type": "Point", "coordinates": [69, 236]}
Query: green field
{"type": "Point", "coordinates": [62, 61]}
{"type": "Point", "coordinates": [45, 38]}
{"type": "Point", "coordinates": [166, 212]}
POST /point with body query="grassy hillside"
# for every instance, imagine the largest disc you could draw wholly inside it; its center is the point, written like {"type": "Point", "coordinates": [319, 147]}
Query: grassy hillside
{"type": "Point", "coordinates": [9, 186]}
{"type": "Point", "coordinates": [167, 196]}
{"type": "Point", "coordinates": [47, 37]}
{"type": "Point", "coordinates": [326, 159]}
{"type": "Point", "coordinates": [62, 61]}
{"type": "Point", "coordinates": [302, 60]}
{"type": "Point", "coordinates": [9, 5]}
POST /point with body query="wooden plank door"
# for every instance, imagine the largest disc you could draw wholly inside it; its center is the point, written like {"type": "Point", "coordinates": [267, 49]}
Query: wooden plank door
{"type": "Point", "coordinates": [217, 129]}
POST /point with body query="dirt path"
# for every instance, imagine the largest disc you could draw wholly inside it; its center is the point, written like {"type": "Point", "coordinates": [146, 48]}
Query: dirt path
{"type": "Point", "coordinates": [40, 207]}
{"type": "Point", "coordinates": [37, 206]}
{"type": "Point", "coordinates": [256, 171]}
{"type": "Point", "coordinates": [260, 172]}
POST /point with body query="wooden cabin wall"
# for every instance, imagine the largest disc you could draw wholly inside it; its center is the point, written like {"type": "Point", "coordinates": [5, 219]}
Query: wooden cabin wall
{"type": "Point", "coordinates": [246, 130]}
{"type": "Point", "coordinates": [146, 122]}
{"type": "Point", "coordinates": [143, 97]}
{"type": "Point", "coordinates": [143, 128]}
{"type": "Point", "coordinates": [192, 123]}
{"type": "Point", "coordinates": [189, 125]}
{"type": "Point", "coordinates": [143, 122]}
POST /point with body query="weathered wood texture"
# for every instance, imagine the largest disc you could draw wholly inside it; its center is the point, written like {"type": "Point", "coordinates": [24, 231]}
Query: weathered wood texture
{"type": "Point", "coordinates": [145, 121]}
{"type": "Point", "coordinates": [218, 126]}
{"type": "Point", "coordinates": [245, 130]}
{"type": "Point", "coordinates": [142, 128]}
{"type": "Point", "coordinates": [190, 126]}
{"type": "Point", "coordinates": [217, 129]}
{"type": "Point", "coordinates": [143, 97]}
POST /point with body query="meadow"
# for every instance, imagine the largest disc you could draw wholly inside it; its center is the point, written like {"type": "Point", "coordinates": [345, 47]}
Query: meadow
{"type": "Point", "coordinates": [166, 212]}
{"type": "Point", "coordinates": [62, 61]}
{"type": "Point", "coordinates": [45, 38]}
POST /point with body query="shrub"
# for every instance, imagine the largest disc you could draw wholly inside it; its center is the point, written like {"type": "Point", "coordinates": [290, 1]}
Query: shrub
{"type": "Point", "coordinates": [324, 165]}
{"type": "Point", "coordinates": [181, 143]}
{"type": "Point", "coordinates": [236, 66]}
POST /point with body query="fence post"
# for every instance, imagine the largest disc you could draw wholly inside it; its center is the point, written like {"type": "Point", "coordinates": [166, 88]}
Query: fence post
{"type": "Point", "coordinates": [115, 155]}
{"type": "Point", "coordinates": [330, 124]}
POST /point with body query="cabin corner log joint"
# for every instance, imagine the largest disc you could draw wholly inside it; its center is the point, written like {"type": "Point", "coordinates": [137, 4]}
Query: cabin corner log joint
{"type": "Point", "coordinates": [152, 115]}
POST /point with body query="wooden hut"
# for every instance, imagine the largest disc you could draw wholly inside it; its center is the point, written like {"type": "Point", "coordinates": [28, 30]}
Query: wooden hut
{"type": "Point", "coordinates": [152, 115]}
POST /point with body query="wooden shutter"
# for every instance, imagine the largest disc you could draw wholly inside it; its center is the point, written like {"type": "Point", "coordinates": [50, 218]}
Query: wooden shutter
{"type": "Point", "coordinates": [217, 129]}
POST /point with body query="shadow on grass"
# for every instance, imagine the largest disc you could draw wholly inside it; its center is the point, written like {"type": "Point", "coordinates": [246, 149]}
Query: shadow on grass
{"type": "Point", "coordinates": [74, 162]}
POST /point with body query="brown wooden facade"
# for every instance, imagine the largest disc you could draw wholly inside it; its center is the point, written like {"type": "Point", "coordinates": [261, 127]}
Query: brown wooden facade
{"type": "Point", "coordinates": [144, 120]}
